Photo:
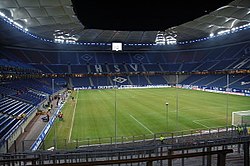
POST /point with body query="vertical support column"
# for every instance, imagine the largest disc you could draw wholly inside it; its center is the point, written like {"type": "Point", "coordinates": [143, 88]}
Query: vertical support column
{"type": "Point", "coordinates": [172, 138]}
{"type": "Point", "coordinates": [7, 146]}
{"type": "Point", "coordinates": [246, 153]}
{"type": "Point", "coordinates": [15, 149]}
{"type": "Point", "coordinates": [149, 163]}
{"type": "Point", "coordinates": [221, 161]}
{"type": "Point", "coordinates": [169, 160]}
{"type": "Point", "coordinates": [239, 146]}
{"type": "Point", "coordinates": [183, 159]}
{"type": "Point", "coordinates": [23, 146]}
{"type": "Point", "coordinates": [161, 151]}
{"type": "Point", "coordinates": [209, 157]}
{"type": "Point", "coordinates": [119, 157]}
{"type": "Point", "coordinates": [203, 157]}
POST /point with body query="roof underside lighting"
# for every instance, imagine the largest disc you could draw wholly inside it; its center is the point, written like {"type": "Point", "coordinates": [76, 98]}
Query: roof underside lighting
{"type": "Point", "coordinates": [167, 37]}
{"type": "Point", "coordinates": [63, 37]}
{"type": "Point", "coordinates": [13, 23]}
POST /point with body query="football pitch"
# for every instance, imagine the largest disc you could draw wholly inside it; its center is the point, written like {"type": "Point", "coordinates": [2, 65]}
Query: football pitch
{"type": "Point", "coordinates": [116, 114]}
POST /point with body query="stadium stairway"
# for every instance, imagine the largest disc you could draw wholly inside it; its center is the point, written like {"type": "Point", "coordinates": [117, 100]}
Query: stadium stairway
{"type": "Point", "coordinates": [148, 80]}
{"type": "Point", "coordinates": [214, 80]}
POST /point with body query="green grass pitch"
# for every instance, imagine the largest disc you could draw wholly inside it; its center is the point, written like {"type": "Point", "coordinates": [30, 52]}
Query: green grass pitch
{"type": "Point", "coordinates": [124, 113]}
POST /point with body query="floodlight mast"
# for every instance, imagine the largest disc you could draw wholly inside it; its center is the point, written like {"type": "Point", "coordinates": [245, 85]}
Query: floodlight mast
{"type": "Point", "coordinates": [53, 91]}
{"type": "Point", "coordinates": [115, 114]}
{"type": "Point", "coordinates": [177, 102]}
{"type": "Point", "coordinates": [227, 90]}
{"type": "Point", "coordinates": [166, 114]}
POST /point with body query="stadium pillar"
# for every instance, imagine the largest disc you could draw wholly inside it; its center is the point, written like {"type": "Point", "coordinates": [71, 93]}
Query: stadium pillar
{"type": "Point", "coordinates": [170, 152]}
{"type": "Point", "coordinates": [149, 163]}
{"type": "Point", "coordinates": [115, 116]}
{"type": "Point", "coordinates": [7, 146]}
{"type": "Point", "coordinates": [209, 157]}
{"type": "Point", "coordinates": [15, 148]}
{"type": "Point", "coordinates": [246, 153]}
{"type": "Point", "coordinates": [227, 90]}
{"type": "Point", "coordinates": [23, 146]}
{"type": "Point", "coordinates": [177, 102]}
{"type": "Point", "coordinates": [161, 153]}
{"type": "Point", "coordinates": [53, 91]}
{"type": "Point", "coordinates": [183, 159]}
{"type": "Point", "coordinates": [221, 159]}
{"type": "Point", "coordinates": [53, 86]}
{"type": "Point", "coordinates": [167, 116]}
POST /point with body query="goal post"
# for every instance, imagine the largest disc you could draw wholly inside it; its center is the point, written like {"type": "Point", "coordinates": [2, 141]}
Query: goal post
{"type": "Point", "coordinates": [241, 118]}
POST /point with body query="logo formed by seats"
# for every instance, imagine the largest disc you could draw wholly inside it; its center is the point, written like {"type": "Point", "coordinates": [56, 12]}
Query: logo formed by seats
{"type": "Point", "coordinates": [86, 57]}
{"type": "Point", "coordinates": [119, 80]}
{"type": "Point", "coordinates": [139, 57]}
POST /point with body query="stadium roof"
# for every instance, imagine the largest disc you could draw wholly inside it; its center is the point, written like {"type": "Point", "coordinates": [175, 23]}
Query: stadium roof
{"type": "Point", "coordinates": [56, 18]}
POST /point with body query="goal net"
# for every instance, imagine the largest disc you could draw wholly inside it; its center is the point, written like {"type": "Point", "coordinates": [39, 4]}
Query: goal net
{"type": "Point", "coordinates": [241, 118]}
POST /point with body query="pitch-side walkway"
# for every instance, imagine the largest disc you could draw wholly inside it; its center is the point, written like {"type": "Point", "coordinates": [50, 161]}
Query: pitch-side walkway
{"type": "Point", "coordinates": [31, 132]}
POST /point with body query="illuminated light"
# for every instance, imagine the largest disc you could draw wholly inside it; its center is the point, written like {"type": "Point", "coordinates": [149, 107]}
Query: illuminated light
{"type": "Point", "coordinates": [233, 29]}
{"type": "Point", "coordinates": [17, 24]}
{"type": "Point", "coordinates": [211, 35]}
{"type": "Point", "coordinates": [2, 14]}
{"type": "Point", "coordinates": [171, 40]}
{"type": "Point", "coordinates": [62, 37]}
{"type": "Point", "coordinates": [163, 38]}
{"type": "Point", "coordinates": [223, 32]}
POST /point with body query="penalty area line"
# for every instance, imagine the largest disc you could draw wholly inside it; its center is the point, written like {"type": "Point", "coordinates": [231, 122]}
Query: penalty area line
{"type": "Point", "coordinates": [195, 121]}
{"type": "Point", "coordinates": [141, 124]}
{"type": "Point", "coordinates": [73, 117]}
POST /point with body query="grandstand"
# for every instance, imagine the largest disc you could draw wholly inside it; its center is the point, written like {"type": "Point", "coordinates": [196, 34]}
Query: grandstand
{"type": "Point", "coordinates": [43, 69]}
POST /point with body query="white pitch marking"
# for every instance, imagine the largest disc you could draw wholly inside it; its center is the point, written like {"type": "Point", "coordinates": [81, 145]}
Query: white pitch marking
{"type": "Point", "coordinates": [73, 118]}
{"type": "Point", "coordinates": [141, 124]}
{"type": "Point", "coordinates": [195, 121]}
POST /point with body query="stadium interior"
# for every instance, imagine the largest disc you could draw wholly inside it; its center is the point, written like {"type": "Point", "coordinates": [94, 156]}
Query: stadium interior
{"type": "Point", "coordinates": [45, 51]}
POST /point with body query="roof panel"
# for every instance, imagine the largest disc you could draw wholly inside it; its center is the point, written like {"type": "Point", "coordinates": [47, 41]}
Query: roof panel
{"type": "Point", "coordinates": [55, 11]}
{"type": "Point", "coordinates": [50, 3]}
{"type": "Point", "coordinates": [37, 12]}
{"type": "Point", "coordinates": [8, 4]}
{"type": "Point", "coordinates": [241, 13]}
{"type": "Point", "coordinates": [230, 23]}
{"type": "Point", "coordinates": [235, 2]}
{"type": "Point", "coordinates": [43, 17]}
{"type": "Point", "coordinates": [205, 18]}
{"type": "Point", "coordinates": [247, 17]}
{"type": "Point", "coordinates": [105, 36]}
{"type": "Point", "coordinates": [245, 3]}
{"type": "Point", "coordinates": [66, 2]}
{"type": "Point", "coordinates": [218, 20]}
{"type": "Point", "coordinates": [28, 3]}
{"type": "Point", "coordinates": [227, 11]}
{"type": "Point", "coordinates": [134, 36]}
{"type": "Point", "coordinates": [91, 34]}
{"type": "Point", "coordinates": [46, 20]}
{"type": "Point", "coordinates": [31, 22]}
{"type": "Point", "coordinates": [19, 13]}
{"type": "Point", "coordinates": [69, 10]}
{"type": "Point", "coordinates": [240, 23]}
{"type": "Point", "coordinates": [120, 35]}
{"type": "Point", "coordinates": [63, 19]}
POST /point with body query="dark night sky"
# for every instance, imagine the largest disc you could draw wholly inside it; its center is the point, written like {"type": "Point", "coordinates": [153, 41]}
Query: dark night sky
{"type": "Point", "coordinates": [138, 16]}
